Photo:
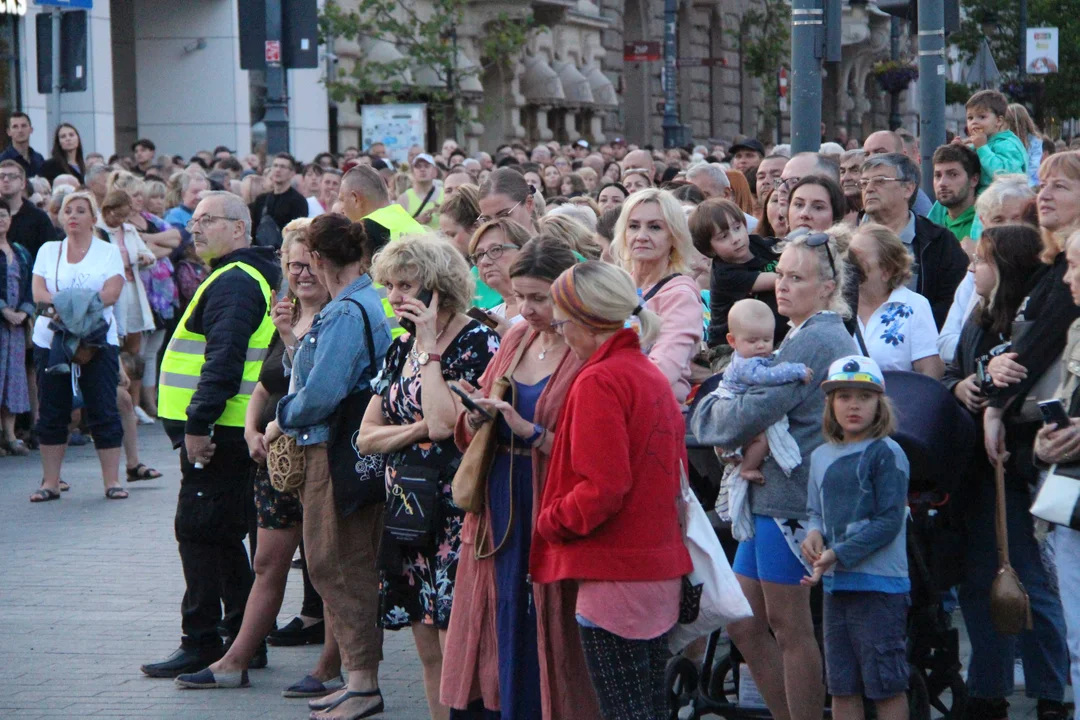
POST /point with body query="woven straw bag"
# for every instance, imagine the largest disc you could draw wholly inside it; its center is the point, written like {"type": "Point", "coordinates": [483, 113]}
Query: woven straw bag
{"type": "Point", "coordinates": [285, 464]}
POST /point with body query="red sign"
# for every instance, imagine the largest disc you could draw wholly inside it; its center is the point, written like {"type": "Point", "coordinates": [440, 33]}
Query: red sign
{"type": "Point", "coordinates": [273, 51]}
{"type": "Point", "coordinates": [782, 84]}
{"type": "Point", "coordinates": [641, 51]}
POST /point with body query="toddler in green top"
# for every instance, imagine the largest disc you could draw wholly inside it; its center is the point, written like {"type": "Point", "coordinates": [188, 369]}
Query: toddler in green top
{"type": "Point", "coordinates": [999, 150]}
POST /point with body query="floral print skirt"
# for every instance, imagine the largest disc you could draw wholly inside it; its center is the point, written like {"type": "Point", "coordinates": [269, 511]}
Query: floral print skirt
{"type": "Point", "coordinates": [275, 510]}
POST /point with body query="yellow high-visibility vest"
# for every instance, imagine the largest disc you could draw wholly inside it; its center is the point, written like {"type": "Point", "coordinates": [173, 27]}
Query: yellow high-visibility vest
{"type": "Point", "coordinates": [398, 222]}
{"type": "Point", "coordinates": [182, 363]}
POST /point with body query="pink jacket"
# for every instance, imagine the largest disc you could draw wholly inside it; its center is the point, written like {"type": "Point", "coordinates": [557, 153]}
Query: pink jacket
{"type": "Point", "coordinates": [678, 303]}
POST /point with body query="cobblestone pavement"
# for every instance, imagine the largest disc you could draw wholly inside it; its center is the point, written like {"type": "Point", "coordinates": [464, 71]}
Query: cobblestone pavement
{"type": "Point", "coordinates": [90, 589]}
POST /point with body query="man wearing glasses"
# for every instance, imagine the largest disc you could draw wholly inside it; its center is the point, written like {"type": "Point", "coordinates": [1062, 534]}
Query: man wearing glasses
{"type": "Point", "coordinates": [804, 165]}
{"type": "Point", "coordinates": [888, 183]}
{"type": "Point", "coordinates": [768, 175]}
{"type": "Point", "coordinates": [30, 227]}
{"type": "Point", "coordinates": [208, 373]}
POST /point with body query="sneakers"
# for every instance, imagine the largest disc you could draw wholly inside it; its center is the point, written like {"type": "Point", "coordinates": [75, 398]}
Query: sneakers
{"type": "Point", "coordinates": [142, 417]}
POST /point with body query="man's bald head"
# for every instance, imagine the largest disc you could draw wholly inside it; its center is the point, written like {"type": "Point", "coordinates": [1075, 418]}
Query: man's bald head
{"type": "Point", "coordinates": [639, 159]}
{"type": "Point", "coordinates": [362, 192]}
{"type": "Point", "coordinates": [810, 163]}
{"type": "Point", "coordinates": [883, 142]}
{"type": "Point", "coordinates": [594, 161]}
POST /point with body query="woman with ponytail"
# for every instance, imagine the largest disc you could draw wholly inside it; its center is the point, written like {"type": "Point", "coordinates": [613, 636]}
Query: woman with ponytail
{"type": "Point", "coordinates": [607, 518]}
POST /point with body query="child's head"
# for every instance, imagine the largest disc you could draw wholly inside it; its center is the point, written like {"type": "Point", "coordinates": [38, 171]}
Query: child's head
{"type": "Point", "coordinates": [751, 325]}
{"type": "Point", "coordinates": [718, 229]}
{"type": "Point", "coordinates": [986, 112]}
{"type": "Point", "coordinates": [855, 404]}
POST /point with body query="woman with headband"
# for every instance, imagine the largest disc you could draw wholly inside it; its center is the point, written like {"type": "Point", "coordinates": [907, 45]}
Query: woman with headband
{"type": "Point", "coordinates": [607, 518]}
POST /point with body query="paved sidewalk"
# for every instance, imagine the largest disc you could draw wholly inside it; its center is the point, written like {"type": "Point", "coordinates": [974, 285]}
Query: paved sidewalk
{"type": "Point", "coordinates": [90, 589]}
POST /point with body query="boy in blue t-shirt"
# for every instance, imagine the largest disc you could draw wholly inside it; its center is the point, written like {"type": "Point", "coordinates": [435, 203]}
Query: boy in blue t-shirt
{"type": "Point", "coordinates": [857, 508]}
{"type": "Point", "coordinates": [999, 150]}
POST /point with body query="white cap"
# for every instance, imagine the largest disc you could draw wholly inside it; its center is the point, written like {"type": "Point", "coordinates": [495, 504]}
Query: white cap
{"type": "Point", "coordinates": [423, 156]}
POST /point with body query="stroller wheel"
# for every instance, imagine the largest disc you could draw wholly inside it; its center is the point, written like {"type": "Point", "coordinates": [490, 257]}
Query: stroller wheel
{"type": "Point", "coordinates": [680, 679]}
{"type": "Point", "coordinates": [722, 686]}
{"type": "Point", "coordinates": [954, 683]}
{"type": "Point", "coordinates": [918, 696]}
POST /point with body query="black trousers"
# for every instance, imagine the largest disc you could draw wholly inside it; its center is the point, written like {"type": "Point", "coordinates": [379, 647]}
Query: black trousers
{"type": "Point", "coordinates": [215, 510]}
{"type": "Point", "coordinates": [628, 675]}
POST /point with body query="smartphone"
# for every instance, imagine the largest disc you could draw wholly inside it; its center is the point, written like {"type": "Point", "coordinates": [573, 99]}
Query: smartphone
{"type": "Point", "coordinates": [1053, 411]}
{"type": "Point", "coordinates": [468, 402]}
{"type": "Point", "coordinates": [482, 315]}
{"type": "Point", "coordinates": [425, 297]}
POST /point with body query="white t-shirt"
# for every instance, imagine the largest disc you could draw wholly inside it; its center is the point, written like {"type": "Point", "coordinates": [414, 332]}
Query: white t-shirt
{"type": "Point", "coordinates": [901, 331]}
{"type": "Point", "coordinates": [314, 208]}
{"type": "Point", "coordinates": [102, 262]}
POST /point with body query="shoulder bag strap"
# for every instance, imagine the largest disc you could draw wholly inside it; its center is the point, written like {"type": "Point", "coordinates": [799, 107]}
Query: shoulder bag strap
{"type": "Point", "coordinates": [424, 203]}
{"type": "Point", "coordinates": [999, 513]}
{"type": "Point", "coordinates": [658, 286]}
{"type": "Point", "coordinates": [367, 332]}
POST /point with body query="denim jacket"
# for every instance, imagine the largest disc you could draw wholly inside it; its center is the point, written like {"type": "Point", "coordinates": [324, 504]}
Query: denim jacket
{"type": "Point", "coordinates": [25, 302]}
{"type": "Point", "coordinates": [333, 361]}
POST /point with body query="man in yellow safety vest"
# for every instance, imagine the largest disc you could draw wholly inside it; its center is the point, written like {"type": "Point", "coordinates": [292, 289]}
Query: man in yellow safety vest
{"type": "Point", "coordinates": [208, 372]}
{"type": "Point", "coordinates": [365, 198]}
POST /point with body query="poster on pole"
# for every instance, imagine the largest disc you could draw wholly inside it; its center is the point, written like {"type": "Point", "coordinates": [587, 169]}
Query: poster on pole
{"type": "Point", "coordinates": [399, 127]}
{"type": "Point", "coordinates": [1042, 51]}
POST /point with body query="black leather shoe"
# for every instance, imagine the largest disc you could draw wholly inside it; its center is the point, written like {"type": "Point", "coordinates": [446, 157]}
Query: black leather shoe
{"type": "Point", "coordinates": [296, 634]}
{"type": "Point", "coordinates": [184, 660]}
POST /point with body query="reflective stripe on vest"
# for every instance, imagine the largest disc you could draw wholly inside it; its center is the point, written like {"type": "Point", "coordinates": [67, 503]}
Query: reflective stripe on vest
{"type": "Point", "coordinates": [182, 363]}
{"type": "Point", "coordinates": [398, 222]}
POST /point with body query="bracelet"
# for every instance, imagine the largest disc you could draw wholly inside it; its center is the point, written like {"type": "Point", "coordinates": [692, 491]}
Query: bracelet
{"type": "Point", "coordinates": [538, 432]}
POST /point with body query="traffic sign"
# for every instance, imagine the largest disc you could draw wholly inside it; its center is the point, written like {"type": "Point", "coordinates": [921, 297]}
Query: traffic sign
{"type": "Point", "coordinates": [80, 4]}
{"type": "Point", "coordinates": [273, 51]}
{"type": "Point", "coordinates": [641, 51]}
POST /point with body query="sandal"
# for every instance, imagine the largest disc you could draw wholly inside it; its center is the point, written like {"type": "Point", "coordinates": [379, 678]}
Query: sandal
{"type": "Point", "coordinates": [350, 694]}
{"type": "Point", "coordinates": [64, 487]}
{"type": "Point", "coordinates": [116, 493]}
{"type": "Point", "coordinates": [44, 494]}
{"type": "Point", "coordinates": [142, 472]}
{"type": "Point", "coordinates": [17, 448]}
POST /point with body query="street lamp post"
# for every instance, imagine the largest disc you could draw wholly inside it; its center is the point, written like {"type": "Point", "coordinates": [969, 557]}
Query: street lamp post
{"type": "Point", "coordinates": [932, 70]}
{"type": "Point", "coordinates": [807, 22]}
{"type": "Point", "coordinates": [276, 117]}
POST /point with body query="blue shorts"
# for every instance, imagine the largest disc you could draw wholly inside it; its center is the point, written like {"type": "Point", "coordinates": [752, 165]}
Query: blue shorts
{"type": "Point", "coordinates": [767, 557]}
{"type": "Point", "coordinates": [866, 644]}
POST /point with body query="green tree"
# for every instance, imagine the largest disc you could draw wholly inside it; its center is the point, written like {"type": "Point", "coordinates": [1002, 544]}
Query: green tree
{"type": "Point", "coordinates": [424, 41]}
{"type": "Point", "coordinates": [764, 34]}
{"type": "Point", "coordinates": [1051, 95]}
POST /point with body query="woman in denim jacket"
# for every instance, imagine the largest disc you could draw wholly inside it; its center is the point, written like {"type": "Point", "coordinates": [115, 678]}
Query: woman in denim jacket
{"type": "Point", "coordinates": [16, 306]}
{"type": "Point", "coordinates": [333, 362]}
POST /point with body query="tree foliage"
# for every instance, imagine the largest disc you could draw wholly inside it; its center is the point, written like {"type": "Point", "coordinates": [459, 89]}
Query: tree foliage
{"type": "Point", "coordinates": [424, 40]}
{"type": "Point", "coordinates": [1054, 95]}
{"type": "Point", "coordinates": [764, 33]}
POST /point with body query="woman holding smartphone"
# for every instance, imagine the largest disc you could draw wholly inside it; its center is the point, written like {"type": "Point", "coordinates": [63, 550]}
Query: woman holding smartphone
{"type": "Point", "coordinates": [412, 420]}
{"type": "Point", "coordinates": [1007, 267]}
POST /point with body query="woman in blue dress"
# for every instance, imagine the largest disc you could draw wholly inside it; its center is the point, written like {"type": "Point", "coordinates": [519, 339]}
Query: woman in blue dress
{"type": "Point", "coordinates": [512, 649]}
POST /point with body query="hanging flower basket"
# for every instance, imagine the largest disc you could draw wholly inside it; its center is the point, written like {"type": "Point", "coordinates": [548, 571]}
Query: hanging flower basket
{"type": "Point", "coordinates": [1023, 91]}
{"type": "Point", "coordinates": [895, 76]}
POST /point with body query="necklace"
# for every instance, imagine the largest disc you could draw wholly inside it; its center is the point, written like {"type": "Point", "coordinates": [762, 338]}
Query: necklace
{"type": "Point", "coordinates": [545, 350]}
{"type": "Point", "coordinates": [415, 356]}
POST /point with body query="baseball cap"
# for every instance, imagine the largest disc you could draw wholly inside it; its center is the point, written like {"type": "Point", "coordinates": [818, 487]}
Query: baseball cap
{"type": "Point", "coordinates": [583, 143]}
{"type": "Point", "coordinates": [425, 157]}
{"type": "Point", "coordinates": [618, 141]}
{"type": "Point", "coordinates": [854, 371]}
{"type": "Point", "coordinates": [748, 144]}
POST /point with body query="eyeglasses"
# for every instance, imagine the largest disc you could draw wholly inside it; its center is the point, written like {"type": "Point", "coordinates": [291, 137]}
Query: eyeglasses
{"type": "Point", "coordinates": [499, 215]}
{"type": "Point", "coordinates": [789, 182]}
{"type": "Point", "coordinates": [296, 269]}
{"type": "Point", "coordinates": [815, 240]}
{"type": "Point", "coordinates": [493, 254]}
{"type": "Point", "coordinates": [200, 223]}
{"type": "Point", "coordinates": [10, 176]}
{"type": "Point", "coordinates": [556, 325]}
{"type": "Point", "coordinates": [876, 182]}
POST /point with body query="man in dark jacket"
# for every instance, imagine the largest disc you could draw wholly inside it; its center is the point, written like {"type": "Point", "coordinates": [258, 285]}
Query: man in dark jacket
{"type": "Point", "coordinates": [938, 262]}
{"type": "Point", "coordinates": [30, 227]}
{"type": "Point", "coordinates": [284, 204]}
{"type": "Point", "coordinates": [208, 373]}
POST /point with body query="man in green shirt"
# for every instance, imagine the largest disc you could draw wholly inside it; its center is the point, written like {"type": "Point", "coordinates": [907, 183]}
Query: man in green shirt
{"type": "Point", "coordinates": [956, 175]}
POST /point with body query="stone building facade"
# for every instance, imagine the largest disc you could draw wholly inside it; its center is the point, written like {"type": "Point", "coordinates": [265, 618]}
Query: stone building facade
{"type": "Point", "coordinates": [571, 81]}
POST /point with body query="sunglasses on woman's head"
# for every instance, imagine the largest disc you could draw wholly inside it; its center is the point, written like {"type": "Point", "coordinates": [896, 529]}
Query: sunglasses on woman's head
{"type": "Point", "coordinates": [815, 240]}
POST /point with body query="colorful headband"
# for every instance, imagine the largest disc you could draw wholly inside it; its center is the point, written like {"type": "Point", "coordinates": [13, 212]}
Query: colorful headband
{"type": "Point", "coordinates": [566, 298]}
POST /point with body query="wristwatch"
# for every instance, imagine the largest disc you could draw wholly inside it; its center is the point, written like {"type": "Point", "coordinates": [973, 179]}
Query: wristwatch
{"type": "Point", "coordinates": [424, 358]}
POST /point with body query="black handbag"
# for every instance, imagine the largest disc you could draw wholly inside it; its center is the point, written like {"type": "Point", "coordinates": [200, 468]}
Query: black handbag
{"type": "Point", "coordinates": [357, 480]}
{"type": "Point", "coordinates": [412, 507]}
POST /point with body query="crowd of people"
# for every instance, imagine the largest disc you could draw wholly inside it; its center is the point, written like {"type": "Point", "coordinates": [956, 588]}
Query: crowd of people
{"type": "Point", "coordinates": [461, 385]}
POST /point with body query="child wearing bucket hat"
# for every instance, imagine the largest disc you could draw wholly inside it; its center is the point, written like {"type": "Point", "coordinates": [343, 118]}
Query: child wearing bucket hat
{"type": "Point", "coordinates": [857, 507]}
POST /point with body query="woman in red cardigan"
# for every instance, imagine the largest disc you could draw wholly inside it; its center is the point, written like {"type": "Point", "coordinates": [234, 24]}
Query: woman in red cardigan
{"type": "Point", "coordinates": [608, 515]}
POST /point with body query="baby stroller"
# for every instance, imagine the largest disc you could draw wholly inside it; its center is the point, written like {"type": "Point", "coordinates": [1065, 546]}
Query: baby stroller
{"type": "Point", "coordinates": [938, 438]}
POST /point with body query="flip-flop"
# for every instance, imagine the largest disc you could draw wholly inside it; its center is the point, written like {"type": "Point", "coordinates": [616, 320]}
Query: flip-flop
{"type": "Point", "coordinates": [142, 472]}
{"type": "Point", "coordinates": [348, 695]}
{"type": "Point", "coordinates": [44, 494]}
{"type": "Point", "coordinates": [116, 493]}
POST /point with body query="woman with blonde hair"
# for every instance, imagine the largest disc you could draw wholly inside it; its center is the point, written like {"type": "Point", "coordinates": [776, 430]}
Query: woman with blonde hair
{"type": "Point", "coordinates": [621, 436]}
{"type": "Point", "coordinates": [652, 243]}
{"type": "Point", "coordinates": [1021, 124]}
{"type": "Point", "coordinates": [412, 421]}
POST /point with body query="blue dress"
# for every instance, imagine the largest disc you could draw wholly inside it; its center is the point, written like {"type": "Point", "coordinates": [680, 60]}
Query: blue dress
{"type": "Point", "coordinates": [515, 614]}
